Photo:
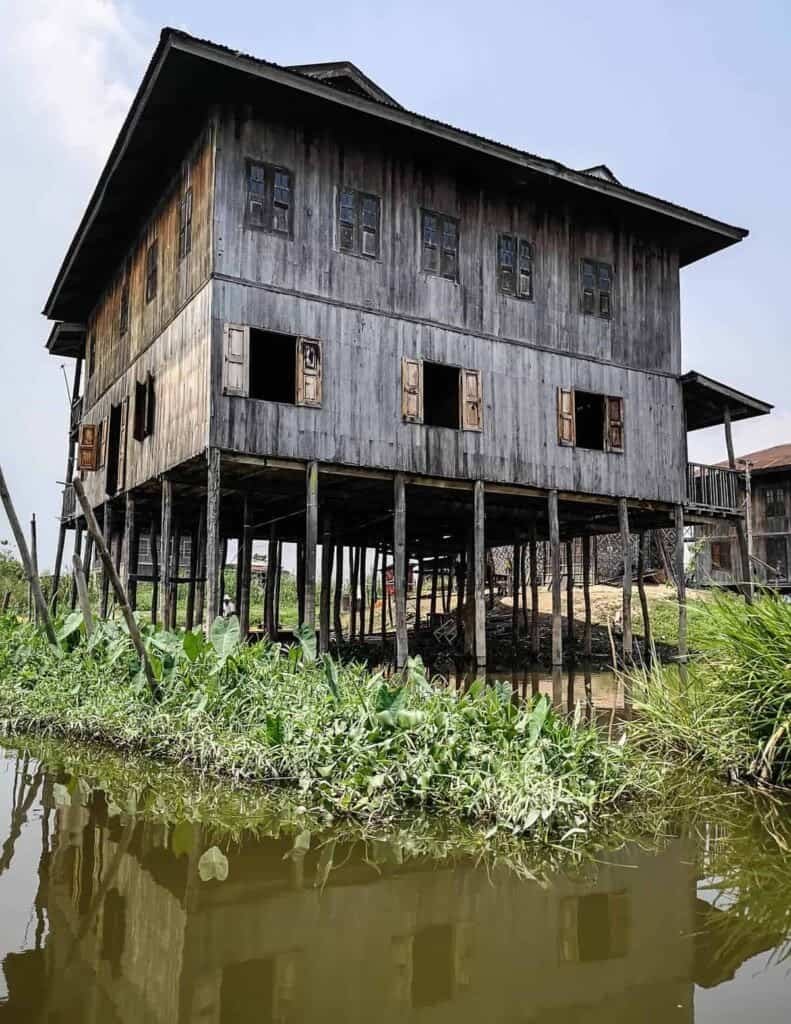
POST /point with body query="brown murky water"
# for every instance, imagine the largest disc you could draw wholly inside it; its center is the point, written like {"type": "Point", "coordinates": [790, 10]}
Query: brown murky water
{"type": "Point", "coordinates": [111, 916]}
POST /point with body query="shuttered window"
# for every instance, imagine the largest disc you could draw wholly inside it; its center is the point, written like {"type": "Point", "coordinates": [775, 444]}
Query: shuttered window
{"type": "Point", "coordinates": [589, 420]}
{"type": "Point", "coordinates": [775, 498]}
{"type": "Point", "coordinates": [615, 423]}
{"type": "Point", "coordinates": [358, 223]}
{"type": "Point", "coordinates": [440, 245]}
{"type": "Point", "coordinates": [308, 372]}
{"type": "Point", "coordinates": [272, 367]}
{"type": "Point", "coordinates": [440, 395]}
{"type": "Point", "coordinates": [721, 555]}
{"type": "Point", "coordinates": [515, 266]}
{"type": "Point", "coordinates": [101, 445]}
{"type": "Point", "coordinates": [185, 224]}
{"type": "Point", "coordinates": [471, 399]}
{"type": "Point", "coordinates": [236, 356]}
{"type": "Point", "coordinates": [88, 451]}
{"type": "Point", "coordinates": [412, 390]}
{"type": "Point", "coordinates": [144, 411]}
{"type": "Point", "coordinates": [270, 198]}
{"type": "Point", "coordinates": [152, 270]}
{"type": "Point", "coordinates": [597, 278]}
{"type": "Point", "coordinates": [565, 416]}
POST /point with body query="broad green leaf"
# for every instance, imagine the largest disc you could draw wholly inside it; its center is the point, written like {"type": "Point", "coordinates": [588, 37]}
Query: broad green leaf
{"type": "Point", "coordinates": [331, 677]}
{"type": "Point", "coordinates": [71, 624]}
{"type": "Point", "coordinates": [389, 698]}
{"type": "Point", "coordinates": [213, 865]}
{"type": "Point", "coordinates": [410, 719]}
{"type": "Point", "coordinates": [193, 644]}
{"type": "Point", "coordinates": [386, 718]}
{"type": "Point", "coordinates": [307, 642]}
{"type": "Point", "coordinates": [537, 718]}
{"type": "Point", "coordinates": [61, 795]}
{"type": "Point", "coordinates": [182, 839]}
{"type": "Point", "coordinates": [225, 636]}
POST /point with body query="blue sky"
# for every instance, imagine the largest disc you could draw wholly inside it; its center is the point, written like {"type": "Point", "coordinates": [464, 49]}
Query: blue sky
{"type": "Point", "coordinates": [688, 101]}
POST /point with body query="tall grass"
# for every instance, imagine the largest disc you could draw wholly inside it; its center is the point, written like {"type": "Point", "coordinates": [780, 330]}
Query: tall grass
{"type": "Point", "coordinates": [732, 708]}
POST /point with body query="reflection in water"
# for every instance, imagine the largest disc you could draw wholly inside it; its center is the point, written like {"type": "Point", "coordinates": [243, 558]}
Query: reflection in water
{"type": "Point", "coordinates": [126, 931]}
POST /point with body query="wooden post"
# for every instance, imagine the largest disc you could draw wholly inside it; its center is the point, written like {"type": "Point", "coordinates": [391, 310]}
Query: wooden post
{"type": "Point", "coordinates": [200, 589]}
{"type": "Point", "coordinates": [189, 612]}
{"type": "Point", "coordinates": [399, 569]}
{"type": "Point", "coordinates": [32, 611]}
{"type": "Point", "coordinates": [461, 590]}
{"type": "Point", "coordinates": [175, 570]}
{"type": "Point", "coordinates": [107, 534]}
{"type": "Point", "coordinates": [245, 557]}
{"type": "Point", "coordinates": [223, 566]}
{"type": "Point", "coordinates": [363, 582]}
{"type": "Point", "coordinates": [374, 587]}
{"type": "Point", "coordinates": [535, 638]}
{"type": "Point", "coordinates": [570, 595]}
{"type": "Point", "coordinates": [434, 576]}
{"type": "Point", "coordinates": [681, 586]}
{"type": "Point", "coordinates": [338, 598]}
{"type": "Point", "coordinates": [271, 579]}
{"type": "Point", "coordinates": [278, 581]}
{"type": "Point", "coordinates": [326, 586]}
{"type": "Point", "coordinates": [82, 594]}
{"type": "Point", "coordinates": [554, 543]}
{"type": "Point", "coordinates": [741, 533]}
{"type": "Point", "coordinates": [641, 560]}
{"type": "Point", "coordinates": [516, 565]}
{"type": "Point", "coordinates": [479, 573]}
{"type": "Point", "coordinates": [165, 560]}
{"type": "Point", "coordinates": [385, 595]}
{"type": "Point", "coordinates": [213, 597]}
{"type": "Point", "coordinates": [75, 394]}
{"type": "Point", "coordinates": [419, 594]}
{"type": "Point", "coordinates": [300, 581]}
{"type": "Point", "coordinates": [154, 544]}
{"type": "Point", "coordinates": [109, 568]}
{"type": "Point", "coordinates": [56, 572]}
{"type": "Point", "coordinates": [27, 563]}
{"type": "Point", "coordinates": [587, 642]}
{"type": "Point", "coordinates": [77, 551]}
{"type": "Point", "coordinates": [87, 560]}
{"type": "Point", "coordinates": [129, 563]}
{"type": "Point", "coordinates": [311, 539]}
{"type": "Point", "coordinates": [626, 544]}
{"type": "Point", "coordinates": [354, 571]}
{"type": "Point", "coordinates": [523, 585]}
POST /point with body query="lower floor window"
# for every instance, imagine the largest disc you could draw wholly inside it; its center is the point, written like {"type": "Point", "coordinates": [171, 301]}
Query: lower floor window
{"type": "Point", "coordinates": [777, 558]}
{"type": "Point", "coordinates": [721, 555]}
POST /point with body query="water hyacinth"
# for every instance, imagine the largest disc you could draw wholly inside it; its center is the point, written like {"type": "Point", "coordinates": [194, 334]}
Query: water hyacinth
{"type": "Point", "coordinates": [350, 741]}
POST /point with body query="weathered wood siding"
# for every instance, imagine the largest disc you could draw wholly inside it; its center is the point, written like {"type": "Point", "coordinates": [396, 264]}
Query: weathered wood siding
{"type": "Point", "coordinates": [360, 421]}
{"type": "Point", "coordinates": [644, 331]}
{"type": "Point", "coordinates": [178, 279]}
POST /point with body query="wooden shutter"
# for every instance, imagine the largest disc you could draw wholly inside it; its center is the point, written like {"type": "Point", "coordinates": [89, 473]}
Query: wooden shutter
{"type": "Point", "coordinates": [236, 360]}
{"type": "Point", "coordinates": [412, 390]}
{"type": "Point", "coordinates": [88, 454]}
{"type": "Point", "coordinates": [566, 431]}
{"type": "Point", "coordinates": [471, 400]}
{"type": "Point", "coordinates": [121, 482]}
{"type": "Point", "coordinates": [309, 372]}
{"type": "Point", "coordinates": [615, 424]}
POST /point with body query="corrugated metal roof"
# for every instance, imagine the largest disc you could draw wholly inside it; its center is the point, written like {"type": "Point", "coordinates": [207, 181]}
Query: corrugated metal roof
{"type": "Point", "coordinates": [778, 457]}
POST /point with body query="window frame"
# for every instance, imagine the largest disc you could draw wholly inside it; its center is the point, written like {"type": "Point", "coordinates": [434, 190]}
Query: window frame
{"type": "Point", "coordinates": [444, 220]}
{"type": "Point", "coordinates": [268, 202]}
{"type": "Point", "coordinates": [358, 227]}
{"type": "Point", "coordinates": [718, 563]}
{"type": "Point", "coordinates": [152, 271]}
{"type": "Point", "coordinates": [470, 395]}
{"type": "Point", "coordinates": [518, 242]}
{"type": "Point", "coordinates": [771, 495]}
{"type": "Point", "coordinates": [123, 314]}
{"type": "Point", "coordinates": [185, 225]}
{"type": "Point", "coordinates": [613, 420]}
{"type": "Point", "coordinates": [596, 291]}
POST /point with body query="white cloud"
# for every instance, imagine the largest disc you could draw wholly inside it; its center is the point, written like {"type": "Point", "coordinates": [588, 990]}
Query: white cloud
{"type": "Point", "coordinates": [75, 65]}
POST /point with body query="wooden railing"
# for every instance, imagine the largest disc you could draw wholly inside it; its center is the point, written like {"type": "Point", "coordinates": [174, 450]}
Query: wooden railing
{"type": "Point", "coordinates": [712, 487]}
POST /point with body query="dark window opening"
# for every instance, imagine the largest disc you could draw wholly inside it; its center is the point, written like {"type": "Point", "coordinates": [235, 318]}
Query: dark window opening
{"type": "Point", "coordinates": [721, 555]}
{"type": "Point", "coordinates": [152, 262]}
{"type": "Point", "coordinates": [185, 224]}
{"type": "Point", "coordinates": [595, 927]}
{"type": "Point", "coordinates": [91, 354]}
{"type": "Point", "coordinates": [433, 965]}
{"type": "Point", "coordinates": [440, 245]}
{"type": "Point", "coordinates": [597, 288]}
{"type": "Point", "coordinates": [358, 223]}
{"type": "Point", "coordinates": [273, 367]}
{"type": "Point", "coordinates": [775, 502]}
{"type": "Point", "coordinates": [124, 317]}
{"type": "Point", "coordinates": [247, 992]}
{"type": "Point", "coordinates": [441, 395]}
{"type": "Point", "coordinates": [113, 449]}
{"type": "Point", "coordinates": [777, 558]}
{"type": "Point", "coordinates": [515, 266]}
{"type": "Point", "coordinates": [589, 418]}
{"type": "Point", "coordinates": [144, 409]}
{"type": "Point", "coordinates": [270, 198]}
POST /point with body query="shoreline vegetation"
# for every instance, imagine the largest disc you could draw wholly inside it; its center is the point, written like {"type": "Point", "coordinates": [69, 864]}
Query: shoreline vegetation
{"type": "Point", "coordinates": [355, 746]}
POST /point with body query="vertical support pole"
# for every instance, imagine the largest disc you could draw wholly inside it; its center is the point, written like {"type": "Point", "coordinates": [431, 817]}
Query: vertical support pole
{"type": "Point", "coordinates": [82, 594]}
{"type": "Point", "coordinates": [385, 595]}
{"type": "Point", "coordinates": [129, 579]}
{"type": "Point", "coordinates": [200, 588]}
{"type": "Point", "coordinates": [523, 584]}
{"type": "Point", "coordinates": [399, 568]}
{"type": "Point", "coordinates": [554, 544]}
{"type": "Point", "coordinates": [516, 565]}
{"type": "Point", "coordinates": [189, 613]}
{"type": "Point", "coordinates": [311, 539]}
{"type": "Point", "coordinates": [165, 562]}
{"type": "Point", "coordinates": [338, 598]}
{"type": "Point", "coordinates": [587, 641]}
{"type": "Point", "coordinates": [363, 582]}
{"type": "Point", "coordinates": [300, 581]}
{"type": "Point", "coordinates": [570, 595]}
{"type": "Point", "coordinates": [419, 594]}
{"type": "Point", "coordinates": [175, 571]}
{"type": "Point", "coordinates": [741, 533]}
{"type": "Point", "coordinates": [535, 637]}
{"type": "Point", "coordinates": [245, 557]}
{"type": "Point", "coordinates": [626, 544]}
{"type": "Point", "coordinates": [77, 551]}
{"type": "Point", "coordinates": [461, 591]}
{"type": "Point", "coordinates": [354, 571]}
{"type": "Point", "coordinates": [32, 607]}
{"type": "Point", "coordinates": [326, 586]}
{"type": "Point", "coordinates": [278, 581]}
{"type": "Point", "coordinates": [374, 588]}
{"type": "Point", "coordinates": [154, 544]}
{"type": "Point", "coordinates": [434, 572]}
{"type": "Point", "coordinates": [681, 585]}
{"type": "Point", "coordinates": [213, 597]}
{"type": "Point", "coordinates": [56, 572]}
{"type": "Point", "coordinates": [479, 572]}
{"type": "Point", "coordinates": [223, 566]}
{"type": "Point", "coordinates": [271, 581]}
{"type": "Point", "coordinates": [75, 394]}
{"type": "Point", "coordinates": [87, 561]}
{"type": "Point", "coordinates": [641, 560]}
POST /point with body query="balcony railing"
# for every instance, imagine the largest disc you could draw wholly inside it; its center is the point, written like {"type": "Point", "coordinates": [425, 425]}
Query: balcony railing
{"type": "Point", "coordinates": [712, 488]}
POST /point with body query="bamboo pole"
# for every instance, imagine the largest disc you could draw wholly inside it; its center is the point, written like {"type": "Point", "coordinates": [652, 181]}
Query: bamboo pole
{"type": "Point", "coordinates": [363, 581]}
{"type": "Point", "coordinates": [245, 556]}
{"type": "Point", "coordinates": [34, 559]}
{"type": "Point", "coordinates": [554, 542]}
{"type": "Point", "coordinates": [27, 564]}
{"type": "Point", "coordinates": [587, 642]}
{"type": "Point", "coordinates": [76, 551]}
{"type": "Point", "coordinates": [641, 560]}
{"type": "Point", "coordinates": [479, 573]}
{"type": "Point", "coordinates": [374, 589]}
{"type": "Point", "coordinates": [626, 544]}
{"type": "Point", "coordinates": [399, 569]}
{"type": "Point", "coordinates": [570, 594]}
{"type": "Point", "coordinates": [109, 568]}
{"type": "Point", "coordinates": [385, 595]}
{"type": "Point", "coordinates": [107, 532]}
{"type": "Point", "coordinates": [82, 594]}
{"type": "Point", "coordinates": [311, 539]}
{"type": "Point", "coordinates": [535, 637]}
{"type": "Point", "coordinates": [523, 583]}
{"type": "Point", "coordinates": [326, 585]}
{"type": "Point", "coordinates": [516, 565]}
{"type": "Point", "coordinates": [338, 597]}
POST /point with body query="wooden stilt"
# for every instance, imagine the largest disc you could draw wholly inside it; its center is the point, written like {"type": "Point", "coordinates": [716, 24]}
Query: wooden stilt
{"type": "Point", "coordinates": [326, 586]}
{"type": "Point", "coordinates": [741, 533]}
{"type": "Point", "coordinates": [479, 573]}
{"type": "Point", "coordinates": [165, 554]}
{"type": "Point", "coordinates": [271, 582]}
{"type": "Point", "coordinates": [354, 583]}
{"type": "Point", "coordinates": [200, 583]}
{"type": "Point", "coordinates": [56, 573]}
{"type": "Point", "coordinates": [189, 609]}
{"type": "Point", "coordinates": [300, 581]}
{"type": "Point", "coordinates": [213, 595]}
{"type": "Point", "coordinates": [77, 551]}
{"type": "Point", "coordinates": [523, 582]}
{"type": "Point", "coordinates": [516, 565]}
{"type": "Point", "coordinates": [223, 568]}
{"type": "Point", "coordinates": [128, 550]}
{"type": "Point", "coordinates": [311, 540]}
{"type": "Point", "coordinates": [570, 595]}
{"type": "Point", "coordinates": [34, 557]}
{"type": "Point", "coordinates": [642, 553]}
{"type": "Point", "coordinates": [434, 581]}
{"type": "Point", "coordinates": [82, 594]}
{"type": "Point", "coordinates": [535, 637]}
{"type": "Point", "coordinates": [461, 590]}
{"type": "Point", "coordinates": [244, 569]}
{"type": "Point", "coordinates": [399, 569]}
{"type": "Point", "coordinates": [419, 594]}
{"type": "Point", "coordinates": [587, 642]}
{"type": "Point", "coordinates": [626, 544]}
{"type": "Point", "coordinates": [278, 581]}
{"type": "Point", "coordinates": [681, 585]}
{"type": "Point", "coordinates": [338, 598]}
{"type": "Point", "coordinates": [374, 589]}
{"type": "Point", "coordinates": [363, 584]}
{"type": "Point", "coordinates": [490, 581]}
{"type": "Point", "coordinates": [75, 395]}
{"type": "Point", "coordinates": [554, 544]}
{"type": "Point", "coordinates": [175, 572]}
{"type": "Point", "coordinates": [385, 594]}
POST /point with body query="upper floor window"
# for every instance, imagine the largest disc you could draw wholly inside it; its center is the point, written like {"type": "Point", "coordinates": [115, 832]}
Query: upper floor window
{"type": "Point", "coordinates": [358, 223]}
{"type": "Point", "coordinates": [270, 198]}
{"type": "Point", "coordinates": [597, 288]}
{"type": "Point", "coordinates": [440, 245]}
{"type": "Point", "coordinates": [145, 408]}
{"type": "Point", "coordinates": [152, 269]}
{"type": "Point", "coordinates": [272, 367]}
{"type": "Point", "coordinates": [123, 319]}
{"type": "Point", "coordinates": [588, 420]}
{"type": "Point", "coordinates": [775, 502]}
{"type": "Point", "coordinates": [185, 224]}
{"type": "Point", "coordinates": [91, 353]}
{"type": "Point", "coordinates": [515, 266]}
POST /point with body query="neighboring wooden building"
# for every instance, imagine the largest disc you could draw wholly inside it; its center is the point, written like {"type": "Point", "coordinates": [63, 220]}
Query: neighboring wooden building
{"type": "Point", "coordinates": [300, 312]}
{"type": "Point", "coordinates": [717, 560]}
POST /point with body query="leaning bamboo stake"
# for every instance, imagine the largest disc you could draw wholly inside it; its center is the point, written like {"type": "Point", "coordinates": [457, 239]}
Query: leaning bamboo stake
{"type": "Point", "coordinates": [82, 594]}
{"type": "Point", "coordinates": [115, 582]}
{"type": "Point", "coordinates": [642, 553]}
{"type": "Point", "coordinates": [27, 564]}
{"type": "Point", "coordinates": [34, 560]}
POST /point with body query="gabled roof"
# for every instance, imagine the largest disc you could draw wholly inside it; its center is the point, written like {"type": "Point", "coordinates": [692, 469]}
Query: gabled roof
{"type": "Point", "coordinates": [601, 171]}
{"type": "Point", "coordinates": [347, 77]}
{"type": "Point", "coordinates": [768, 460]}
{"type": "Point", "coordinates": [187, 75]}
{"type": "Point", "coordinates": [705, 402]}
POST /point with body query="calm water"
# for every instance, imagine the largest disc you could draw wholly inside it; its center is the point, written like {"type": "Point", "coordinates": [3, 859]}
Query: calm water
{"type": "Point", "coordinates": [105, 917]}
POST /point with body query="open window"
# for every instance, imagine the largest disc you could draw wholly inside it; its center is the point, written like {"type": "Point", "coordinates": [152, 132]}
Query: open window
{"type": "Point", "coordinates": [144, 408]}
{"type": "Point", "coordinates": [440, 395]}
{"type": "Point", "coordinates": [721, 555]}
{"type": "Point", "coordinates": [272, 367]}
{"type": "Point", "coordinates": [594, 927]}
{"type": "Point", "coordinates": [590, 420]}
{"type": "Point", "coordinates": [116, 448]}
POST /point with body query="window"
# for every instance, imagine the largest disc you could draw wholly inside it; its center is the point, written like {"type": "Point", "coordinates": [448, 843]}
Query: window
{"type": "Point", "coordinates": [589, 420]}
{"type": "Point", "coordinates": [101, 444]}
{"type": "Point", "coordinates": [185, 224]}
{"type": "Point", "coordinates": [597, 288]}
{"type": "Point", "coordinates": [272, 367]}
{"type": "Point", "coordinates": [777, 558]}
{"type": "Point", "coordinates": [152, 266]}
{"type": "Point", "coordinates": [515, 266]}
{"type": "Point", "coordinates": [358, 223]}
{"type": "Point", "coordinates": [440, 245]}
{"type": "Point", "coordinates": [116, 448]}
{"type": "Point", "coordinates": [439, 395]}
{"type": "Point", "coordinates": [594, 927]}
{"type": "Point", "coordinates": [123, 320]}
{"type": "Point", "coordinates": [775, 499]}
{"type": "Point", "coordinates": [91, 353]}
{"type": "Point", "coordinates": [270, 198]}
{"type": "Point", "coordinates": [721, 555]}
{"type": "Point", "coordinates": [144, 408]}
{"type": "Point", "coordinates": [88, 448]}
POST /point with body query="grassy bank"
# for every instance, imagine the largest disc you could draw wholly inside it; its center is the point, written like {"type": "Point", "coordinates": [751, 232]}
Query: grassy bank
{"type": "Point", "coordinates": [731, 711]}
{"type": "Point", "coordinates": [348, 741]}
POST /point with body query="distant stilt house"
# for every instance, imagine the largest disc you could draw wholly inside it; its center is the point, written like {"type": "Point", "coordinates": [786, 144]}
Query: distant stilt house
{"type": "Point", "coordinates": [301, 314]}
